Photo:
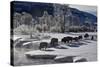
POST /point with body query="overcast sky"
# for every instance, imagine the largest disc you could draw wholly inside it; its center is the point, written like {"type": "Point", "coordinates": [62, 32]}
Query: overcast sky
{"type": "Point", "coordinates": [89, 9]}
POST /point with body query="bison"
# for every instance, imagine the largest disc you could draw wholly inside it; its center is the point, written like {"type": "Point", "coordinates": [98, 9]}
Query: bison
{"type": "Point", "coordinates": [80, 37]}
{"type": "Point", "coordinates": [92, 38]}
{"type": "Point", "coordinates": [66, 39]}
{"type": "Point", "coordinates": [86, 35]}
{"type": "Point", "coordinates": [43, 45]}
{"type": "Point", "coordinates": [54, 42]}
{"type": "Point", "coordinates": [75, 38]}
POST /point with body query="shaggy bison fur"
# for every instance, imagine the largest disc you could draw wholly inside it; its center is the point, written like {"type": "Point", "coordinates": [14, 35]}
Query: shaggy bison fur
{"type": "Point", "coordinates": [76, 38]}
{"type": "Point", "coordinates": [43, 45]}
{"type": "Point", "coordinates": [54, 42]}
{"type": "Point", "coordinates": [66, 39]}
{"type": "Point", "coordinates": [80, 37]}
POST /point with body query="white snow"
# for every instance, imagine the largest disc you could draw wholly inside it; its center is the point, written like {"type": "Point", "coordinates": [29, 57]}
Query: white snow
{"type": "Point", "coordinates": [88, 51]}
{"type": "Point", "coordinates": [26, 43]}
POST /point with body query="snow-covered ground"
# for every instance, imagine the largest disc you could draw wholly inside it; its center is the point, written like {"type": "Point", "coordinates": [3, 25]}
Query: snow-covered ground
{"type": "Point", "coordinates": [54, 35]}
{"type": "Point", "coordinates": [87, 50]}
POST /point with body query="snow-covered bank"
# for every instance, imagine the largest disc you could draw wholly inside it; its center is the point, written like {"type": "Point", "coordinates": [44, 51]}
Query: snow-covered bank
{"type": "Point", "coordinates": [83, 33]}
{"type": "Point", "coordinates": [55, 35]}
{"type": "Point", "coordinates": [88, 51]}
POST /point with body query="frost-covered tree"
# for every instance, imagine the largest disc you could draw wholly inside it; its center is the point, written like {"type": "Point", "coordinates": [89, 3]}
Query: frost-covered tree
{"type": "Point", "coordinates": [64, 8]}
{"type": "Point", "coordinates": [45, 21]}
{"type": "Point", "coordinates": [38, 28]}
{"type": "Point", "coordinates": [16, 20]}
{"type": "Point", "coordinates": [27, 20]}
{"type": "Point", "coordinates": [45, 28]}
{"type": "Point", "coordinates": [55, 29]}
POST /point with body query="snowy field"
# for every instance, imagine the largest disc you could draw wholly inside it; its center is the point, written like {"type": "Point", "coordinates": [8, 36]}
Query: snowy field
{"type": "Point", "coordinates": [84, 48]}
